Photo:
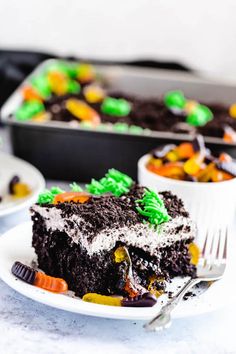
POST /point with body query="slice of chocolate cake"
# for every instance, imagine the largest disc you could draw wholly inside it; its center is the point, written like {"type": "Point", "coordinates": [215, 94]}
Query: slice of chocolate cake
{"type": "Point", "coordinates": [122, 239]}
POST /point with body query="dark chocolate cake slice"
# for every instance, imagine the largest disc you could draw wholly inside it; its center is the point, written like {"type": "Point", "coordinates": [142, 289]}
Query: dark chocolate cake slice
{"type": "Point", "coordinates": [123, 244]}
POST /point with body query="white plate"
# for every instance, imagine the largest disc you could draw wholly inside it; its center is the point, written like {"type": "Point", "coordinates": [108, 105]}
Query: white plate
{"type": "Point", "coordinates": [9, 167]}
{"type": "Point", "coordinates": [212, 299]}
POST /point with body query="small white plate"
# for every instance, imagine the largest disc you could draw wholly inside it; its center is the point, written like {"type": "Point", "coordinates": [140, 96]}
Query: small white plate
{"type": "Point", "coordinates": [9, 167]}
{"type": "Point", "coordinates": [15, 245]}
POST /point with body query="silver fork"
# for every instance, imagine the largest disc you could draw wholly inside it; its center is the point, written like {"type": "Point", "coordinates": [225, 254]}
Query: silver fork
{"type": "Point", "coordinates": [211, 267]}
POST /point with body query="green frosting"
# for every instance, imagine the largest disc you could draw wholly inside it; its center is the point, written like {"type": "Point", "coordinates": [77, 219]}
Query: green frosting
{"type": "Point", "coordinates": [152, 207]}
{"type": "Point", "coordinates": [200, 116]}
{"type": "Point", "coordinates": [28, 110]}
{"type": "Point", "coordinates": [75, 187]}
{"type": "Point", "coordinates": [117, 107]}
{"type": "Point", "coordinates": [48, 196]}
{"type": "Point", "coordinates": [175, 99]}
{"type": "Point", "coordinates": [114, 182]}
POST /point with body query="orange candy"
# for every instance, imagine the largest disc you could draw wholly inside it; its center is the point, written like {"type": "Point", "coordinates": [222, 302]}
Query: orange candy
{"type": "Point", "coordinates": [225, 157]}
{"type": "Point", "coordinates": [185, 151]}
{"type": "Point", "coordinates": [56, 285]}
{"type": "Point", "coordinates": [30, 94]}
{"type": "Point", "coordinates": [229, 135]}
{"type": "Point", "coordinates": [58, 82]}
{"type": "Point", "coordinates": [194, 252]}
{"type": "Point", "coordinates": [130, 288]}
{"type": "Point", "coordinates": [77, 197]}
{"type": "Point", "coordinates": [219, 176]}
{"type": "Point", "coordinates": [82, 111]}
{"type": "Point", "coordinates": [171, 170]}
{"type": "Point", "coordinates": [193, 165]}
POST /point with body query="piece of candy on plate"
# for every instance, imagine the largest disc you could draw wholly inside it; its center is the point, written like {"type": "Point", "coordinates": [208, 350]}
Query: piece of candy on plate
{"type": "Point", "coordinates": [145, 300]}
{"type": "Point", "coordinates": [93, 94]}
{"type": "Point", "coordinates": [117, 107]}
{"type": "Point", "coordinates": [76, 197]}
{"type": "Point", "coordinates": [24, 272]}
{"type": "Point", "coordinates": [20, 190]}
{"type": "Point", "coordinates": [28, 110]}
{"type": "Point", "coordinates": [121, 254]}
{"type": "Point", "coordinates": [102, 299]}
{"type": "Point", "coordinates": [46, 282]}
{"type": "Point", "coordinates": [194, 252]}
{"type": "Point", "coordinates": [232, 110]}
{"type": "Point", "coordinates": [82, 111]}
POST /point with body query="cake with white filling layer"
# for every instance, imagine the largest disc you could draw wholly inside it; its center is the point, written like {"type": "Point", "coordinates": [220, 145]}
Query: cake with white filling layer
{"type": "Point", "coordinates": [122, 240]}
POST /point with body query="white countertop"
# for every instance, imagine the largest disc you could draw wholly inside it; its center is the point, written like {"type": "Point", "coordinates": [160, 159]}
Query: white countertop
{"type": "Point", "coordinates": [27, 327]}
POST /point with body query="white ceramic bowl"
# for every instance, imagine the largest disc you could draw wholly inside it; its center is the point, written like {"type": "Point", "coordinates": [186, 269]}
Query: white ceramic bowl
{"type": "Point", "coordinates": [209, 204]}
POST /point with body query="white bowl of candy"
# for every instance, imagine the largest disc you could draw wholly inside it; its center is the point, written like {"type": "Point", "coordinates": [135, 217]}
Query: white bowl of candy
{"type": "Point", "coordinates": [206, 184]}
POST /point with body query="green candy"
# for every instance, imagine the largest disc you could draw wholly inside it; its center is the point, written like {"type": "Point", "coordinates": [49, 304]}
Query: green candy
{"type": "Point", "coordinates": [41, 85]}
{"type": "Point", "coordinates": [152, 207]}
{"type": "Point", "coordinates": [117, 107]}
{"type": "Point", "coordinates": [121, 127]}
{"type": "Point", "coordinates": [175, 99]}
{"type": "Point", "coordinates": [200, 116]}
{"type": "Point", "coordinates": [73, 87]}
{"type": "Point", "coordinates": [28, 110]}
{"type": "Point", "coordinates": [67, 69]}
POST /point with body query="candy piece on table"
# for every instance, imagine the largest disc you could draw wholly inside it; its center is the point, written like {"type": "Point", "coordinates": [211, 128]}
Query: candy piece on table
{"type": "Point", "coordinates": [144, 300]}
{"type": "Point", "coordinates": [43, 281]}
{"type": "Point", "coordinates": [175, 100]}
{"type": "Point", "coordinates": [200, 116]}
{"type": "Point", "coordinates": [206, 174]}
{"type": "Point", "coordinates": [29, 94]}
{"type": "Point", "coordinates": [28, 110]}
{"type": "Point", "coordinates": [82, 111]}
{"type": "Point", "coordinates": [85, 73]}
{"type": "Point", "coordinates": [76, 197]}
{"type": "Point", "coordinates": [15, 179]}
{"type": "Point", "coordinates": [117, 107]}
{"type": "Point", "coordinates": [41, 84]}
{"type": "Point", "coordinates": [220, 176]}
{"type": "Point", "coordinates": [225, 157]}
{"type": "Point", "coordinates": [229, 134]}
{"type": "Point", "coordinates": [185, 150]}
{"type": "Point", "coordinates": [162, 150]}
{"type": "Point", "coordinates": [193, 165]}
{"type": "Point", "coordinates": [20, 190]}
{"type": "Point", "coordinates": [93, 93]}
{"type": "Point", "coordinates": [194, 252]}
{"type": "Point", "coordinates": [102, 299]}
{"type": "Point", "coordinates": [24, 272]}
{"type": "Point", "coordinates": [232, 110]}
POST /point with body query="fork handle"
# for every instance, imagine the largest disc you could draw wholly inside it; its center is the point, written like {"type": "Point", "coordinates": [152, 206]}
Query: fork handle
{"type": "Point", "coordinates": [163, 319]}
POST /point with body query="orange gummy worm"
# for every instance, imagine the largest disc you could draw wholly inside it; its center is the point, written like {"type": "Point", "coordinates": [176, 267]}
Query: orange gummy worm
{"type": "Point", "coordinates": [77, 197]}
{"type": "Point", "coordinates": [56, 285]}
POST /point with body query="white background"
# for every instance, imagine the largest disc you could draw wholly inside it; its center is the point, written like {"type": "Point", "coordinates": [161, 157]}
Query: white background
{"type": "Point", "coordinates": [201, 34]}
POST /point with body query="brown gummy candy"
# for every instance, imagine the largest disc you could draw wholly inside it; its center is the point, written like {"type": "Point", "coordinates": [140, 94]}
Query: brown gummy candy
{"type": "Point", "coordinates": [24, 272]}
{"type": "Point", "coordinates": [145, 300]}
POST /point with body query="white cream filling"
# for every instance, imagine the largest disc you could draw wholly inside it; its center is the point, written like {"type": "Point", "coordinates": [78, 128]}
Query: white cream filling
{"type": "Point", "coordinates": [140, 235]}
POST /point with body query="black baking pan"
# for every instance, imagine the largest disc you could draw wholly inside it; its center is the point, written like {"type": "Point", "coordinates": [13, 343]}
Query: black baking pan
{"type": "Point", "coordinates": [62, 151]}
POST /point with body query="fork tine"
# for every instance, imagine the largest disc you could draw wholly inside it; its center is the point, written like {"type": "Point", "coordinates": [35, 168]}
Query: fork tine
{"type": "Point", "coordinates": [225, 245]}
{"type": "Point", "coordinates": [218, 247]}
{"type": "Point", "coordinates": [205, 244]}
